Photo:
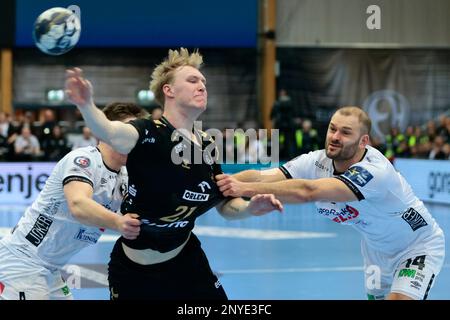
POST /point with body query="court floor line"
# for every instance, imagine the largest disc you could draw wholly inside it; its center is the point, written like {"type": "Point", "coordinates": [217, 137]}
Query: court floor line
{"type": "Point", "coordinates": [300, 270]}
{"type": "Point", "coordinates": [88, 274]}
{"type": "Point", "coordinates": [102, 279]}
{"type": "Point", "coordinates": [226, 232]}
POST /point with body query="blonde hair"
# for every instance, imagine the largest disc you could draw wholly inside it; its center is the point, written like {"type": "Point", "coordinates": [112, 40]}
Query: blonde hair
{"type": "Point", "coordinates": [164, 72]}
{"type": "Point", "coordinates": [362, 116]}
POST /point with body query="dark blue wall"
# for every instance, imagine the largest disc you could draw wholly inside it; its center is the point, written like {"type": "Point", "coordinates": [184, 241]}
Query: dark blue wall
{"type": "Point", "coordinates": [152, 23]}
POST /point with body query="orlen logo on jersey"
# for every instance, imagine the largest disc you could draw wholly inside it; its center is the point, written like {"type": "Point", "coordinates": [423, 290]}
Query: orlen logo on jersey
{"type": "Point", "coordinates": [195, 196]}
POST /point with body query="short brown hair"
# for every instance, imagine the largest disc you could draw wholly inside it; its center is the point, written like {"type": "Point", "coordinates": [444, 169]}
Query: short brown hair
{"type": "Point", "coordinates": [118, 111]}
{"type": "Point", "coordinates": [362, 116]}
{"type": "Point", "coordinates": [164, 72]}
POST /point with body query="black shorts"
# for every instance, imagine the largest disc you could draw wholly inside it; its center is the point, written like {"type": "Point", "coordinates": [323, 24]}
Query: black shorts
{"type": "Point", "coordinates": [188, 276]}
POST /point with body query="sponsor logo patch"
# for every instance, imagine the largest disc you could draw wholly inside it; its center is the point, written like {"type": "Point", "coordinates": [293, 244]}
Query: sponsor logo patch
{"type": "Point", "coordinates": [409, 273]}
{"type": "Point", "coordinates": [65, 290]}
{"type": "Point", "coordinates": [52, 207]}
{"type": "Point", "coordinates": [89, 237]}
{"type": "Point", "coordinates": [39, 230]}
{"type": "Point", "coordinates": [358, 175]}
{"type": "Point", "coordinates": [414, 219]}
{"type": "Point", "coordinates": [123, 189]}
{"type": "Point", "coordinates": [217, 284]}
{"type": "Point", "coordinates": [132, 190]}
{"type": "Point", "coordinates": [176, 224]}
{"type": "Point", "coordinates": [82, 162]}
{"type": "Point", "coordinates": [148, 140]}
{"type": "Point", "coordinates": [339, 214]}
{"type": "Point", "coordinates": [416, 285]}
{"type": "Point", "coordinates": [195, 196]}
{"type": "Point", "coordinates": [321, 166]}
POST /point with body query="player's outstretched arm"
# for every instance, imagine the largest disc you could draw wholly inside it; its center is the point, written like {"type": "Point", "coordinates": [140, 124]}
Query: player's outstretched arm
{"type": "Point", "coordinates": [290, 191]}
{"type": "Point", "coordinates": [79, 91]}
{"type": "Point", "coordinates": [238, 208]}
{"type": "Point", "coordinates": [270, 175]}
{"type": "Point", "coordinates": [87, 211]}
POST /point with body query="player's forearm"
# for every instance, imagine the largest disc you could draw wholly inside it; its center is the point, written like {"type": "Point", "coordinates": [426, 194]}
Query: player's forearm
{"type": "Point", "coordinates": [270, 175]}
{"type": "Point", "coordinates": [289, 191]}
{"type": "Point", "coordinates": [257, 176]}
{"type": "Point", "coordinates": [248, 176]}
{"type": "Point", "coordinates": [122, 137]}
{"type": "Point", "coordinates": [234, 209]}
{"type": "Point", "coordinates": [96, 120]}
{"type": "Point", "coordinates": [89, 212]}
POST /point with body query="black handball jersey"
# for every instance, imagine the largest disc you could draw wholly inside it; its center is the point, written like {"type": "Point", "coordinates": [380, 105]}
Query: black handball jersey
{"type": "Point", "coordinates": [169, 194]}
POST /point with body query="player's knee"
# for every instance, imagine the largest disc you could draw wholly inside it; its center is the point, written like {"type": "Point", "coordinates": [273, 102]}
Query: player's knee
{"type": "Point", "coordinates": [398, 296]}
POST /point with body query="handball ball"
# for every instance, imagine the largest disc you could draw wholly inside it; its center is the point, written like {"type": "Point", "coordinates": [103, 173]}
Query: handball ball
{"type": "Point", "coordinates": [56, 31]}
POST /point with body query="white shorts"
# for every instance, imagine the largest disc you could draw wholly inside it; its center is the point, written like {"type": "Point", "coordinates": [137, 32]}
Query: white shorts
{"type": "Point", "coordinates": [411, 273]}
{"type": "Point", "coordinates": [21, 279]}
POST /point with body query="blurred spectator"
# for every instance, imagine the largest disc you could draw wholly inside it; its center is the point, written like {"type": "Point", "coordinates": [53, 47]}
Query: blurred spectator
{"type": "Point", "coordinates": [283, 114]}
{"type": "Point", "coordinates": [56, 146]}
{"type": "Point", "coordinates": [431, 130]}
{"type": "Point", "coordinates": [411, 137]}
{"type": "Point", "coordinates": [6, 131]}
{"type": "Point", "coordinates": [446, 131]}
{"type": "Point", "coordinates": [437, 150]}
{"type": "Point", "coordinates": [46, 126]}
{"type": "Point", "coordinates": [446, 150]}
{"type": "Point", "coordinates": [376, 143]}
{"type": "Point", "coordinates": [26, 146]}
{"type": "Point", "coordinates": [306, 138]}
{"type": "Point", "coordinates": [256, 149]}
{"type": "Point", "coordinates": [6, 127]}
{"type": "Point", "coordinates": [229, 150]}
{"type": "Point", "coordinates": [393, 143]}
{"type": "Point", "coordinates": [441, 129]}
{"type": "Point", "coordinates": [240, 143]}
{"type": "Point", "coordinates": [86, 139]}
{"type": "Point", "coordinates": [403, 150]}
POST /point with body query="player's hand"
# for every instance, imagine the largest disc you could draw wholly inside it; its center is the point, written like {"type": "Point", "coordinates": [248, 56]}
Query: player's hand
{"type": "Point", "coordinates": [263, 203]}
{"type": "Point", "coordinates": [78, 90]}
{"type": "Point", "coordinates": [230, 186]}
{"type": "Point", "coordinates": [129, 226]}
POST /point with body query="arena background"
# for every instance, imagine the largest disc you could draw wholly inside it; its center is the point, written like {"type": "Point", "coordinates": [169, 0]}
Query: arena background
{"type": "Point", "coordinates": [321, 52]}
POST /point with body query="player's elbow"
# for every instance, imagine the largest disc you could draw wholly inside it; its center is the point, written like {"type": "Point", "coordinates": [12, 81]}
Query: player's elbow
{"type": "Point", "coordinates": [302, 196]}
{"type": "Point", "coordinates": [226, 212]}
{"type": "Point", "coordinates": [121, 138]}
{"type": "Point", "coordinates": [221, 210]}
{"type": "Point", "coordinates": [226, 216]}
{"type": "Point", "coordinates": [75, 205]}
{"type": "Point", "coordinates": [118, 144]}
{"type": "Point", "coordinates": [230, 215]}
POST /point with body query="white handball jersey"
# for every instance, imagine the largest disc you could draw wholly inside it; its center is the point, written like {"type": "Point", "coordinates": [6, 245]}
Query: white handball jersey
{"type": "Point", "coordinates": [48, 233]}
{"type": "Point", "coordinates": [388, 214]}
